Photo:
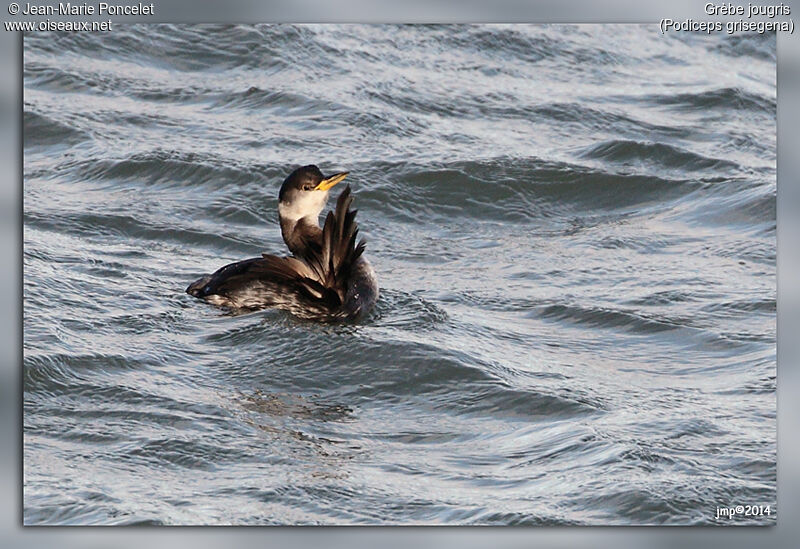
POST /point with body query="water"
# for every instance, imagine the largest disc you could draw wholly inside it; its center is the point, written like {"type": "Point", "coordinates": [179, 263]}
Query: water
{"type": "Point", "coordinates": [574, 233]}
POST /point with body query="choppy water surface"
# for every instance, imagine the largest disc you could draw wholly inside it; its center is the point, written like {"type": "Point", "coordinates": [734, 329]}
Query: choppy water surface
{"type": "Point", "coordinates": [574, 231]}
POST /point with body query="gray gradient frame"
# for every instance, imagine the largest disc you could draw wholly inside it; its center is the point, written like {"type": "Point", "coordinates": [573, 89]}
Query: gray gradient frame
{"type": "Point", "coordinates": [411, 11]}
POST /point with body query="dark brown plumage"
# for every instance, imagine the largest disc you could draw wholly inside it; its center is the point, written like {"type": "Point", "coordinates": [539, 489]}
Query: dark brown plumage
{"type": "Point", "coordinates": [327, 277]}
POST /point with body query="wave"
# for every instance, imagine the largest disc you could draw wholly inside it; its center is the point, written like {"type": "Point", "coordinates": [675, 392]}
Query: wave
{"type": "Point", "coordinates": [718, 98]}
{"type": "Point", "coordinates": [660, 154]}
{"type": "Point", "coordinates": [173, 168]}
{"type": "Point", "coordinates": [758, 46]}
{"type": "Point", "coordinates": [512, 189]}
{"type": "Point", "coordinates": [42, 131]}
{"type": "Point", "coordinates": [610, 318]}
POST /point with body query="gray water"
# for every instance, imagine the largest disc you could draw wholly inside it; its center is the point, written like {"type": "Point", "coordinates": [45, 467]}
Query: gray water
{"type": "Point", "coordinates": [574, 233]}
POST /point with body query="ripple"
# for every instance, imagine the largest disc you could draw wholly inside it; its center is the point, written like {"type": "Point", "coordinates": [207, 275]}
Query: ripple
{"type": "Point", "coordinates": [720, 98]}
{"type": "Point", "coordinates": [42, 131]}
{"type": "Point", "coordinates": [609, 318]}
{"type": "Point", "coordinates": [170, 167]}
{"type": "Point", "coordinates": [404, 310]}
{"type": "Point", "coordinates": [661, 154]}
{"type": "Point", "coordinates": [516, 190]}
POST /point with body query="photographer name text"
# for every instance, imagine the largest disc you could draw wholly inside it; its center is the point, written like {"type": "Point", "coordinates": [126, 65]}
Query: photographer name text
{"type": "Point", "coordinates": [102, 8]}
{"type": "Point", "coordinates": [70, 10]}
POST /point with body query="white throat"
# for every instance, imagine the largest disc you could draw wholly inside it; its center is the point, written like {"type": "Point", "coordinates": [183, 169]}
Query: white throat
{"type": "Point", "coordinates": [305, 205]}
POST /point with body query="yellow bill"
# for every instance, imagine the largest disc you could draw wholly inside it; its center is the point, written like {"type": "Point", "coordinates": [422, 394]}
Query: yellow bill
{"type": "Point", "coordinates": [326, 184]}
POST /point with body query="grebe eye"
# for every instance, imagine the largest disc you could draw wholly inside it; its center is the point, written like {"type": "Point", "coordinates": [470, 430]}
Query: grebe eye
{"type": "Point", "coordinates": [307, 187]}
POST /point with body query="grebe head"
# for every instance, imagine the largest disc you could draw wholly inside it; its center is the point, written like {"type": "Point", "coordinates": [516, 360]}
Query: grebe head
{"type": "Point", "coordinates": [304, 194]}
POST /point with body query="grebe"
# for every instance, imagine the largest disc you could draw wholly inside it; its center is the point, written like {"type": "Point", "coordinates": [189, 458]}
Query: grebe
{"type": "Point", "coordinates": [326, 278]}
